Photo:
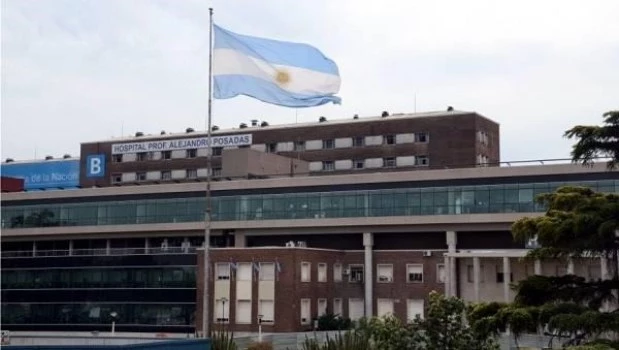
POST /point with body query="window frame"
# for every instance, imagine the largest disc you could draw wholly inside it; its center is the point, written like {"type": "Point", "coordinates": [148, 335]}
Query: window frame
{"type": "Point", "coordinates": [408, 273]}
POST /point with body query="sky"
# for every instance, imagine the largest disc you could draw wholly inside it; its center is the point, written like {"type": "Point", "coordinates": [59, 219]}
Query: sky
{"type": "Point", "coordinates": [84, 70]}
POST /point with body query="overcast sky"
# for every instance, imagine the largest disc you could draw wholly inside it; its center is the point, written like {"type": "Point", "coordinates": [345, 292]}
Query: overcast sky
{"type": "Point", "coordinates": [84, 70]}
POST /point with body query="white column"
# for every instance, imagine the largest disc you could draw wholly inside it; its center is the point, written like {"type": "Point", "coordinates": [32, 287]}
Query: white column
{"type": "Point", "coordinates": [452, 239]}
{"type": "Point", "coordinates": [506, 279]}
{"type": "Point", "coordinates": [570, 267]}
{"type": "Point", "coordinates": [603, 268]}
{"type": "Point", "coordinates": [448, 276]}
{"type": "Point", "coordinates": [146, 245]}
{"type": "Point", "coordinates": [368, 242]}
{"type": "Point", "coordinates": [34, 248]}
{"type": "Point", "coordinates": [538, 267]}
{"type": "Point", "coordinates": [108, 247]}
{"type": "Point", "coordinates": [239, 239]}
{"type": "Point", "coordinates": [476, 278]}
{"type": "Point", "coordinates": [70, 247]}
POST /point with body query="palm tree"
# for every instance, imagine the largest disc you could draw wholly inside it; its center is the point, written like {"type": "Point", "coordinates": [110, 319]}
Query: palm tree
{"type": "Point", "coordinates": [597, 141]}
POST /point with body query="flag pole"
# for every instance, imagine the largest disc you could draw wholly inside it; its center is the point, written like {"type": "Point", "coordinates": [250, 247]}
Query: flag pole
{"type": "Point", "coordinates": [207, 211]}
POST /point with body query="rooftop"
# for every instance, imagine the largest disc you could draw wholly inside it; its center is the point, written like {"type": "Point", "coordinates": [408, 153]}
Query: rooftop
{"type": "Point", "coordinates": [249, 128]}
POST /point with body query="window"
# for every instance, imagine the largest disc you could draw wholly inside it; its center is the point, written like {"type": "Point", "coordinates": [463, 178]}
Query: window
{"type": "Point", "coordinates": [166, 155]}
{"type": "Point", "coordinates": [266, 310]}
{"type": "Point", "coordinates": [389, 162]}
{"type": "Point", "coordinates": [117, 178]}
{"type": "Point", "coordinates": [358, 164]}
{"type": "Point", "coordinates": [322, 272]}
{"type": "Point", "coordinates": [384, 307]}
{"type": "Point", "coordinates": [271, 147]}
{"type": "Point", "coordinates": [322, 307]}
{"type": "Point", "coordinates": [117, 158]}
{"type": "Point", "coordinates": [305, 272]}
{"type": "Point", "coordinates": [338, 307]}
{"type": "Point", "coordinates": [384, 273]}
{"type": "Point", "coordinates": [192, 173]}
{"type": "Point", "coordinates": [414, 308]}
{"type": "Point", "coordinates": [328, 144]}
{"type": "Point", "coordinates": [166, 175]}
{"type": "Point", "coordinates": [414, 273]}
{"type": "Point", "coordinates": [141, 176]}
{"type": "Point", "coordinates": [191, 153]}
{"type": "Point", "coordinates": [337, 272]}
{"type": "Point", "coordinates": [217, 151]}
{"type": "Point", "coordinates": [222, 271]}
{"type": "Point", "coordinates": [141, 156]}
{"type": "Point", "coordinates": [328, 165]}
{"type": "Point", "coordinates": [389, 140]}
{"type": "Point", "coordinates": [470, 274]}
{"type": "Point", "coordinates": [299, 146]}
{"type": "Point", "coordinates": [355, 309]}
{"type": "Point", "coordinates": [267, 271]}
{"type": "Point", "coordinates": [243, 311]}
{"type": "Point", "coordinates": [356, 273]}
{"type": "Point", "coordinates": [422, 160]}
{"type": "Point", "coordinates": [440, 273]}
{"type": "Point", "coordinates": [244, 272]}
{"type": "Point", "coordinates": [216, 172]}
{"type": "Point", "coordinates": [421, 137]}
{"type": "Point", "coordinates": [594, 272]}
{"type": "Point", "coordinates": [306, 311]}
{"type": "Point", "coordinates": [358, 141]}
{"type": "Point", "coordinates": [222, 310]}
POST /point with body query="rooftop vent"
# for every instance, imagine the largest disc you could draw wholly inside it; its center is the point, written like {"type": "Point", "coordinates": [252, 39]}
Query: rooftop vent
{"type": "Point", "coordinates": [450, 109]}
{"type": "Point", "coordinates": [356, 116]}
{"type": "Point", "coordinates": [139, 133]}
{"type": "Point", "coordinates": [214, 128]}
{"type": "Point", "coordinates": [254, 122]}
{"type": "Point", "coordinates": [188, 130]}
{"type": "Point", "coordinates": [322, 119]}
{"type": "Point", "coordinates": [265, 123]}
{"type": "Point", "coordinates": [242, 125]}
{"type": "Point", "coordinates": [384, 114]}
{"type": "Point", "coordinates": [66, 156]}
{"type": "Point", "coordinates": [49, 157]}
{"type": "Point", "coordinates": [162, 132]}
{"type": "Point", "coordinates": [9, 160]}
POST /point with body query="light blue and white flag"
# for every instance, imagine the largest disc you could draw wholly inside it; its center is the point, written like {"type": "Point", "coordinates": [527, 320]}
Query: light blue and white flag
{"type": "Point", "coordinates": [277, 72]}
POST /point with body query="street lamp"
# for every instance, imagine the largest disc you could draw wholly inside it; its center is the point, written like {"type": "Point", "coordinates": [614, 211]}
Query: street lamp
{"type": "Point", "coordinates": [113, 315]}
{"type": "Point", "coordinates": [260, 328]}
{"type": "Point", "coordinates": [223, 309]}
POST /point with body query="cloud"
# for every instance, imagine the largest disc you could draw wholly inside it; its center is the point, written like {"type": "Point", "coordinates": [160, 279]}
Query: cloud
{"type": "Point", "coordinates": [75, 71]}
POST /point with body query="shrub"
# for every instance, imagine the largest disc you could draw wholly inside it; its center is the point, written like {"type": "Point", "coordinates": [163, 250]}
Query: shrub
{"type": "Point", "coordinates": [223, 340]}
{"type": "Point", "coordinates": [260, 346]}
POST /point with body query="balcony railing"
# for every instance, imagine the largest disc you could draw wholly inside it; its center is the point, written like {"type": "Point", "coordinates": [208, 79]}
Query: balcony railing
{"type": "Point", "coordinates": [98, 252]}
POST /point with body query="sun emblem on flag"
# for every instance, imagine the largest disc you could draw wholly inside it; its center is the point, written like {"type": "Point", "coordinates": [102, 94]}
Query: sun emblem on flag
{"type": "Point", "coordinates": [282, 77]}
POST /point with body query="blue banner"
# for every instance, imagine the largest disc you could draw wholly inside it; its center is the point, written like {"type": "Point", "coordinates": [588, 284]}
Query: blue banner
{"type": "Point", "coordinates": [47, 174]}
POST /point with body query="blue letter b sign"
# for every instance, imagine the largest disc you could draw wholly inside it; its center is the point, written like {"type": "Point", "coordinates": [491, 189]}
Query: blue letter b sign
{"type": "Point", "coordinates": [95, 165]}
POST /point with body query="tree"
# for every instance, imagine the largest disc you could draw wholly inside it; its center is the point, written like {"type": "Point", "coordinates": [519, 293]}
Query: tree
{"type": "Point", "coordinates": [596, 141]}
{"type": "Point", "coordinates": [578, 223]}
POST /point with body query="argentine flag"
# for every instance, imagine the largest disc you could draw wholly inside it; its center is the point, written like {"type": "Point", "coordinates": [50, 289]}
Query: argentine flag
{"type": "Point", "coordinates": [277, 72]}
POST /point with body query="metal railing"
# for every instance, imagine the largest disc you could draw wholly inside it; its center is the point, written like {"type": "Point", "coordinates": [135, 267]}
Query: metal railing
{"type": "Point", "coordinates": [97, 252]}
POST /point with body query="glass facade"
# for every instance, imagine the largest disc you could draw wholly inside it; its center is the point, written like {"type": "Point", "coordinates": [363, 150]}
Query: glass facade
{"type": "Point", "coordinates": [452, 200]}
{"type": "Point", "coordinates": [169, 314]}
{"type": "Point", "coordinates": [116, 277]}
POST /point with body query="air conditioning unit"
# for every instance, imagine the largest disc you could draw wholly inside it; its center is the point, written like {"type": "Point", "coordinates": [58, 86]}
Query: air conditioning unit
{"type": "Point", "coordinates": [427, 253]}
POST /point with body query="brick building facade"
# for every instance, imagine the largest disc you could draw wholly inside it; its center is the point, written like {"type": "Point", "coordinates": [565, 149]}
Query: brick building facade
{"type": "Point", "coordinates": [399, 142]}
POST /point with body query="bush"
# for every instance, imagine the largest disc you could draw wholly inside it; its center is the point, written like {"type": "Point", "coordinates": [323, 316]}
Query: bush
{"type": "Point", "coordinates": [223, 340]}
{"type": "Point", "coordinates": [331, 322]}
{"type": "Point", "coordinates": [260, 346]}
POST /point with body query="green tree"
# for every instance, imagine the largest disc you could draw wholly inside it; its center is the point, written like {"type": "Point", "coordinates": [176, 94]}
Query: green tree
{"type": "Point", "coordinates": [578, 223]}
{"type": "Point", "coordinates": [596, 141]}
